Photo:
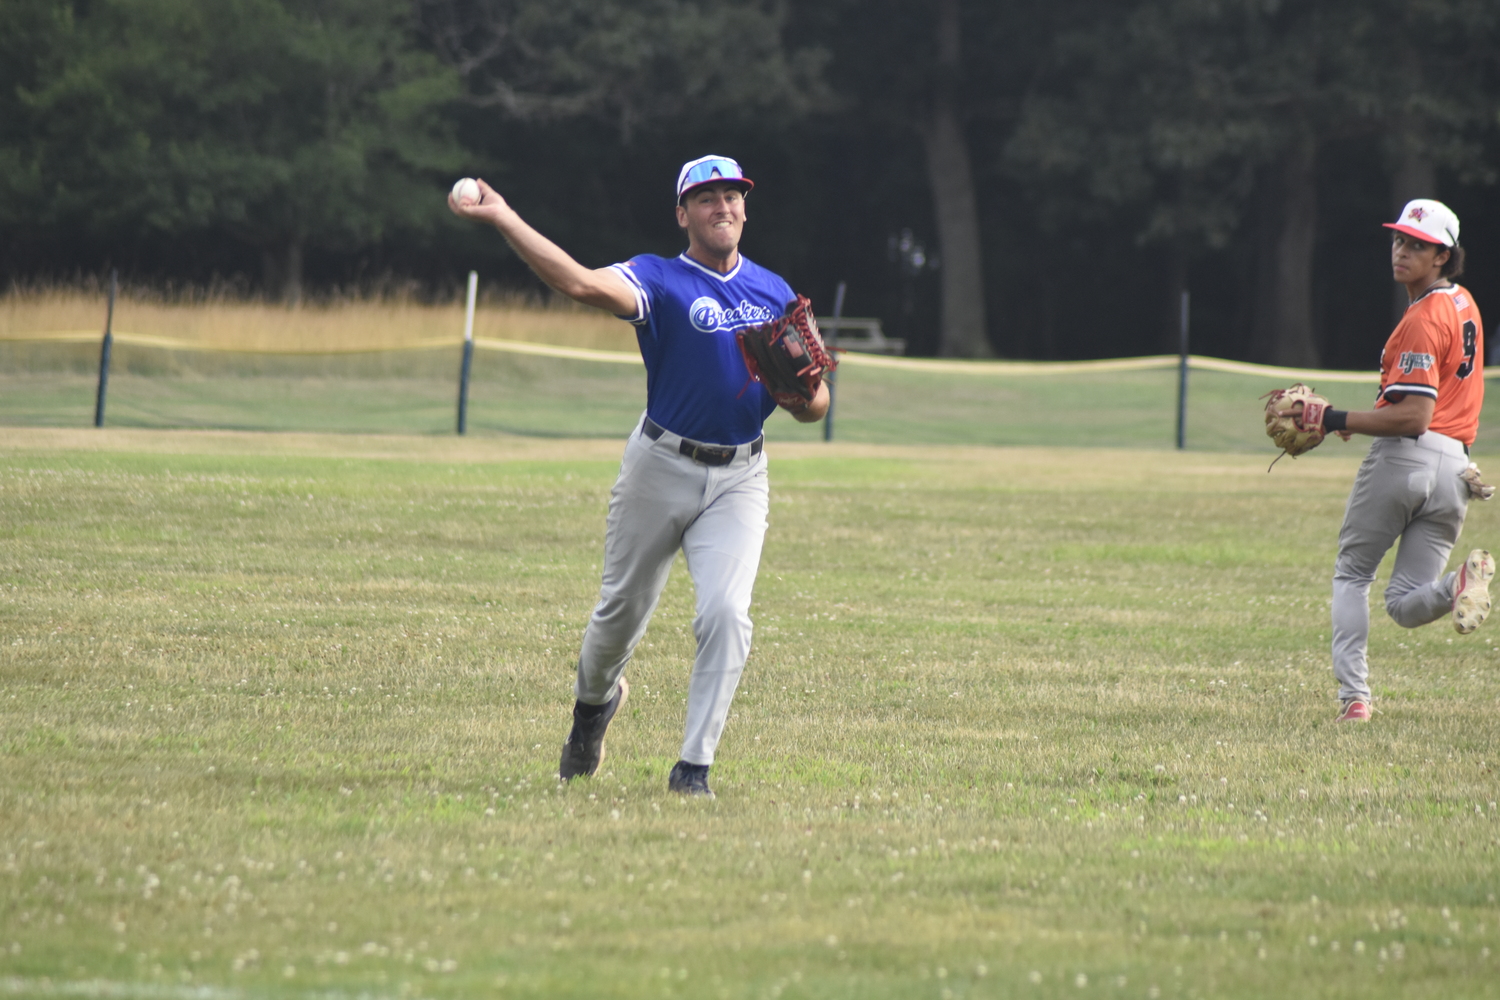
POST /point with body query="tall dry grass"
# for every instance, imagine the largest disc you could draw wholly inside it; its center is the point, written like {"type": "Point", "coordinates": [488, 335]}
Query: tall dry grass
{"type": "Point", "coordinates": [371, 323]}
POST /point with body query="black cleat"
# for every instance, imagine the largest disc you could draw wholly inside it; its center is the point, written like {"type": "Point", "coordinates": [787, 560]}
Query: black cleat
{"type": "Point", "coordinates": [689, 779]}
{"type": "Point", "coordinates": [584, 748]}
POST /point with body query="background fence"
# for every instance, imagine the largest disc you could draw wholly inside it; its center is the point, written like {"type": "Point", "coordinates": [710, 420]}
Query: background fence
{"type": "Point", "coordinates": [529, 389]}
{"type": "Point", "coordinates": [551, 390]}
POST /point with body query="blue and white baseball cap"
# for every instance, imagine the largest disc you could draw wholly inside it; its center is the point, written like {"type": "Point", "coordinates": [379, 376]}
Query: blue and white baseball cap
{"type": "Point", "coordinates": [710, 170]}
{"type": "Point", "coordinates": [1429, 221]}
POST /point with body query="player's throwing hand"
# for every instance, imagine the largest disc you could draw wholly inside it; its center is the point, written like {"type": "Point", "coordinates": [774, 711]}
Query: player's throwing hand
{"type": "Point", "coordinates": [480, 201]}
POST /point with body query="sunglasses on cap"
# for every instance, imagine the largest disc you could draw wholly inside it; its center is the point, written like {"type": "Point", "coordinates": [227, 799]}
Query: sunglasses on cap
{"type": "Point", "coordinates": [710, 170]}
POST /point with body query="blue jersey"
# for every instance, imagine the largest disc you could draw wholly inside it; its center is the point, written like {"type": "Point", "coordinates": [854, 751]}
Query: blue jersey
{"type": "Point", "coordinates": [685, 320]}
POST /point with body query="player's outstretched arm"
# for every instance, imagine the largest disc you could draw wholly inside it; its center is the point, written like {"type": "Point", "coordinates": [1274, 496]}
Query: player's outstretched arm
{"type": "Point", "coordinates": [602, 288]}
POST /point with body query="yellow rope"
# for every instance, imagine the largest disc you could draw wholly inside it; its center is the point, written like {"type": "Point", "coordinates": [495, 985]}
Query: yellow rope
{"type": "Point", "coordinates": [928, 365]}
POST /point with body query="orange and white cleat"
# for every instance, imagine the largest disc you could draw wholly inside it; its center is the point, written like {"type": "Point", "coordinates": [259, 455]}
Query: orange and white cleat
{"type": "Point", "coordinates": [1471, 591]}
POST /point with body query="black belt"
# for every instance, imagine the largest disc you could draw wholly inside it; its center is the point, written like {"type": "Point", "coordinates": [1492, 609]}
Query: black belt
{"type": "Point", "coordinates": [706, 454]}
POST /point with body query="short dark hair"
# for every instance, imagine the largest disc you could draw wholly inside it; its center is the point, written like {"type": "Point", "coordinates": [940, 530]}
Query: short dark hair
{"type": "Point", "coordinates": [1454, 265]}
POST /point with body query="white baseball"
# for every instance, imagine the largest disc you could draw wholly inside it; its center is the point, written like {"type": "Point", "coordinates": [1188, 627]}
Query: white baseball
{"type": "Point", "coordinates": [467, 189]}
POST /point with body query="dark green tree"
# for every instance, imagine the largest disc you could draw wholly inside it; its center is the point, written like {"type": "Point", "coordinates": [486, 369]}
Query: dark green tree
{"type": "Point", "coordinates": [939, 75]}
{"type": "Point", "coordinates": [1207, 120]}
{"type": "Point", "coordinates": [635, 64]}
{"type": "Point", "coordinates": [282, 123]}
{"type": "Point", "coordinates": [950, 173]}
{"type": "Point", "coordinates": [33, 33]}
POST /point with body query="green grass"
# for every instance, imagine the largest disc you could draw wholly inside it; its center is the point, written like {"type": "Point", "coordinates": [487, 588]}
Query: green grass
{"type": "Point", "coordinates": [415, 392]}
{"type": "Point", "coordinates": [280, 716]}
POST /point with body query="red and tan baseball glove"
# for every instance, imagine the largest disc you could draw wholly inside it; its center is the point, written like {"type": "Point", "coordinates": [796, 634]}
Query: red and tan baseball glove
{"type": "Point", "coordinates": [787, 355]}
{"type": "Point", "coordinates": [1294, 419]}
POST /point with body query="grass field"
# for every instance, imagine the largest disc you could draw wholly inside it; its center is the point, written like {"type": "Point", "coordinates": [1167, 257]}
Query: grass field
{"type": "Point", "coordinates": [280, 717]}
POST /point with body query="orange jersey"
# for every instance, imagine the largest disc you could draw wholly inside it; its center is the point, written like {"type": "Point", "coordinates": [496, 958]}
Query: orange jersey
{"type": "Point", "coordinates": [1437, 350]}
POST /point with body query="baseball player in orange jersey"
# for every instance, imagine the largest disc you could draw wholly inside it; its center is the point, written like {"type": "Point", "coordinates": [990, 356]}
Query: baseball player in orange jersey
{"type": "Point", "coordinates": [1415, 484]}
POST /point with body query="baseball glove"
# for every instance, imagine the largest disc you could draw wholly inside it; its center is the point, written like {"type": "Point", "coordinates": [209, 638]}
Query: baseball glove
{"type": "Point", "coordinates": [1472, 479]}
{"type": "Point", "coordinates": [1294, 419]}
{"type": "Point", "coordinates": [787, 355]}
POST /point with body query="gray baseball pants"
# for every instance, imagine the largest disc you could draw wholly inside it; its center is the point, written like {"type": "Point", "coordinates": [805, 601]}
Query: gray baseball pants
{"type": "Point", "coordinates": [664, 501]}
{"type": "Point", "coordinates": [1407, 489]}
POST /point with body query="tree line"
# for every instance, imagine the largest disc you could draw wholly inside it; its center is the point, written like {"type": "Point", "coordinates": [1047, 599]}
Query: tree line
{"type": "Point", "coordinates": [990, 178]}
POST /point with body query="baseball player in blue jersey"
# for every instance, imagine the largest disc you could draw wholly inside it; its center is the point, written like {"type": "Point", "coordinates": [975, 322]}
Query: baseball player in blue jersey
{"type": "Point", "coordinates": [694, 473]}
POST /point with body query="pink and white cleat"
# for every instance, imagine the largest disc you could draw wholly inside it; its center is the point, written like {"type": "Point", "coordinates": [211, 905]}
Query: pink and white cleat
{"type": "Point", "coordinates": [1355, 711]}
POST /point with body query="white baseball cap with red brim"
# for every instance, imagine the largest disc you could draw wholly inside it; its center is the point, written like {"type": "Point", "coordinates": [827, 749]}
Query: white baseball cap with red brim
{"type": "Point", "coordinates": [1429, 221]}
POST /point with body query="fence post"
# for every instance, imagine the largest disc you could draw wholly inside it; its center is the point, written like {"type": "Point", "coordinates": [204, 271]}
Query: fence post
{"type": "Point", "coordinates": [1182, 376]}
{"type": "Point", "coordinates": [838, 314]}
{"type": "Point", "coordinates": [105, 349]}
{"type": "Point", "coordinates": [463, 374]}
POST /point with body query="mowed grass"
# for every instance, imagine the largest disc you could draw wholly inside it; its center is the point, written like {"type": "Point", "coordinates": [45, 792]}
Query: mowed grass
{"type": "Point", "coordinates": [280, 718]}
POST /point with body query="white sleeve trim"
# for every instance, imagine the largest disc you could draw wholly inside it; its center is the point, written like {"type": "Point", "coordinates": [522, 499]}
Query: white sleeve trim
{"type": "Point", "coordinates": [1410, 389]}
{"type": "Point", "coordinates": [642, 300]}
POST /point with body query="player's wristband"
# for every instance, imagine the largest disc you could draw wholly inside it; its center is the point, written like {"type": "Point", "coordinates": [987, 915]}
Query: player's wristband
{"type": "Point", "coordinates": [1335, 420]}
